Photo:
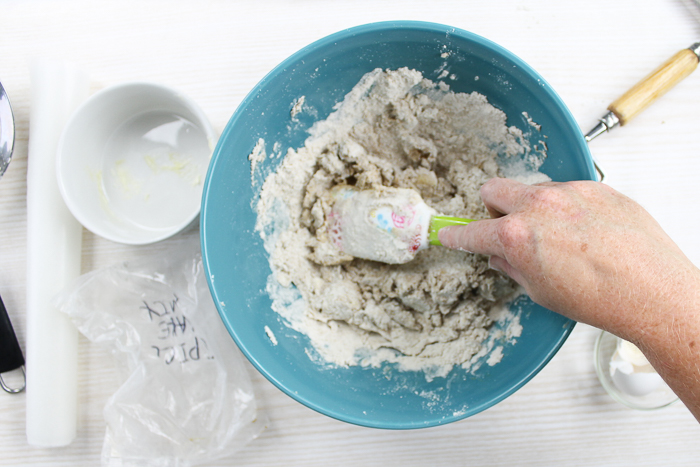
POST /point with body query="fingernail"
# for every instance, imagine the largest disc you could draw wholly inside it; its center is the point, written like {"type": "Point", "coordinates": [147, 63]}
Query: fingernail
{"type": "Point", "coordinates": [444, 235]}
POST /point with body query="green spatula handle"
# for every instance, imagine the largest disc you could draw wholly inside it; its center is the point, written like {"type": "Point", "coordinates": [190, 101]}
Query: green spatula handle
{"type": "Point", "coordinates": [438, 222]}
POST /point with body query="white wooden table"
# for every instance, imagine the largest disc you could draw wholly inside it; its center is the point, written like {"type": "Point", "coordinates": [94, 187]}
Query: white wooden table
{"type": "Point", "coordinates": [215, 52]}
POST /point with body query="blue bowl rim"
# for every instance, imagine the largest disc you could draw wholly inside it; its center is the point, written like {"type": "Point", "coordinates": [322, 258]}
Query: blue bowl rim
{"type": "Point", "coordinates": [239, 112]}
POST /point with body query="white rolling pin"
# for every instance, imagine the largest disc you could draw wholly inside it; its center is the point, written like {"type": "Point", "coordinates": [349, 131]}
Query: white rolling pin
{"type": "Point", "coordinates": [54, 240]}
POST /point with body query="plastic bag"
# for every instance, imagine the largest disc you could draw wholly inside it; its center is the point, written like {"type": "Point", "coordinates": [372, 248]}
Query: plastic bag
{"type": "Point", "coordinates": [187, 397]}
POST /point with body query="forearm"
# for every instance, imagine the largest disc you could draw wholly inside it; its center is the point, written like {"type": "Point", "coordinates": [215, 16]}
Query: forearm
{"type": "Point", "coordinates": [671, 342]}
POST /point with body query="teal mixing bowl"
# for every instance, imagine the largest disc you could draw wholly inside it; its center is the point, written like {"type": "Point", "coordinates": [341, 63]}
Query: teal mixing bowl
{"type": "Point", "coordinates": [237, 264]}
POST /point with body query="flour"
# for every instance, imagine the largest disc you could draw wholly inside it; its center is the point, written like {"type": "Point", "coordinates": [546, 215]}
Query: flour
{"type": "Point", "coordinates": [270, 335]}
{"type": "Point", "coordinates": [297, 107]}
{"type": "Point", "coordinates": [396, 129]}
{"type": "Point", "coordinates": [257, 156]}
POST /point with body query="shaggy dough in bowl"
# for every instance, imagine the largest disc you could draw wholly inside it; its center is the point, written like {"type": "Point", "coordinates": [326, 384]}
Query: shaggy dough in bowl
{"type": "Point", "coordinates": [397, 129]}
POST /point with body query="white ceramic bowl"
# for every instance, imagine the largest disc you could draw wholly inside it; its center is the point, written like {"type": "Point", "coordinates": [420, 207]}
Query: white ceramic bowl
{"type": "Point", "coordinates": [132, 160]}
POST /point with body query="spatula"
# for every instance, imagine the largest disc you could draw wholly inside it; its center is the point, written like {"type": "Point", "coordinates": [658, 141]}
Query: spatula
{"type": "Point", "coordinates": [386, 224]}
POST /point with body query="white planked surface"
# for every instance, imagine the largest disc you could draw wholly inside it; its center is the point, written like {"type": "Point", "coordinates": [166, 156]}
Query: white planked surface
{"type": "Point", "coordinates": [215, 52]}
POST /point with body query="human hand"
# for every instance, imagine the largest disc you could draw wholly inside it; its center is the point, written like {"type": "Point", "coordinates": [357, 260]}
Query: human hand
{"type": "Point", "coordinates": [578, 248]}
{"type": "Point", "coordinates": [590, 253]}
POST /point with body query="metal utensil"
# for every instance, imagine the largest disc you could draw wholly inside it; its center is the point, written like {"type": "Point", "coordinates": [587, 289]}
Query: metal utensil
{"type": "Point", "coordinates": [7, 131]}
{"type": "Point", "coordinates": [11, 357]}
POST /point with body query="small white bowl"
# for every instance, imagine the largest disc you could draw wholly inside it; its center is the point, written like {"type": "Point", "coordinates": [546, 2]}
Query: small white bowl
{"type": "Point", "coordinates": [132, 160]}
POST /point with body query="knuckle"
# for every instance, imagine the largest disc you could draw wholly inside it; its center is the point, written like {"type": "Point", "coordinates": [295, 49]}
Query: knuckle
{"type": "Point", "coordinates": [488, 187]}
{"type": "Point", "coordinates": [550, 196]}
{"type": "Point", "coordinates": [580, 185]}
{"type": "Point", "coordinates": [513, 232]}
{"type": "Point", "coordinates": [587, 190]}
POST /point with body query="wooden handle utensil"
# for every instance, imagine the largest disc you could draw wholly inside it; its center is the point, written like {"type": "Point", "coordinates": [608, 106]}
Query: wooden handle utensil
{"type": "Point", "coordinates": [642, 94]}
{"type": "Point", "coordinates": [654, 85]}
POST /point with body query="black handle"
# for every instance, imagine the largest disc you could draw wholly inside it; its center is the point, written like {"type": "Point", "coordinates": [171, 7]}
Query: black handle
{"type": "Point", "coordinates": [11, 356]}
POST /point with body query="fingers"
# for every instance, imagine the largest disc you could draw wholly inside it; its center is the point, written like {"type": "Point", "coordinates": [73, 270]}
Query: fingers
{"type": "Point", "coordinates": [481, 237]}
{"type": "Point", "coordinates": [476, 237]}
{"type": "Point", "coordinates": [502, 195]}
{"type": "Point", "coordinates": [500, 264]}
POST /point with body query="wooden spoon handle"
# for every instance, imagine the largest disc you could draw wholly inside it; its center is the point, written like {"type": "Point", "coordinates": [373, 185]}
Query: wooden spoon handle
{"type": "Point", "coordinates": [654, 85]}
